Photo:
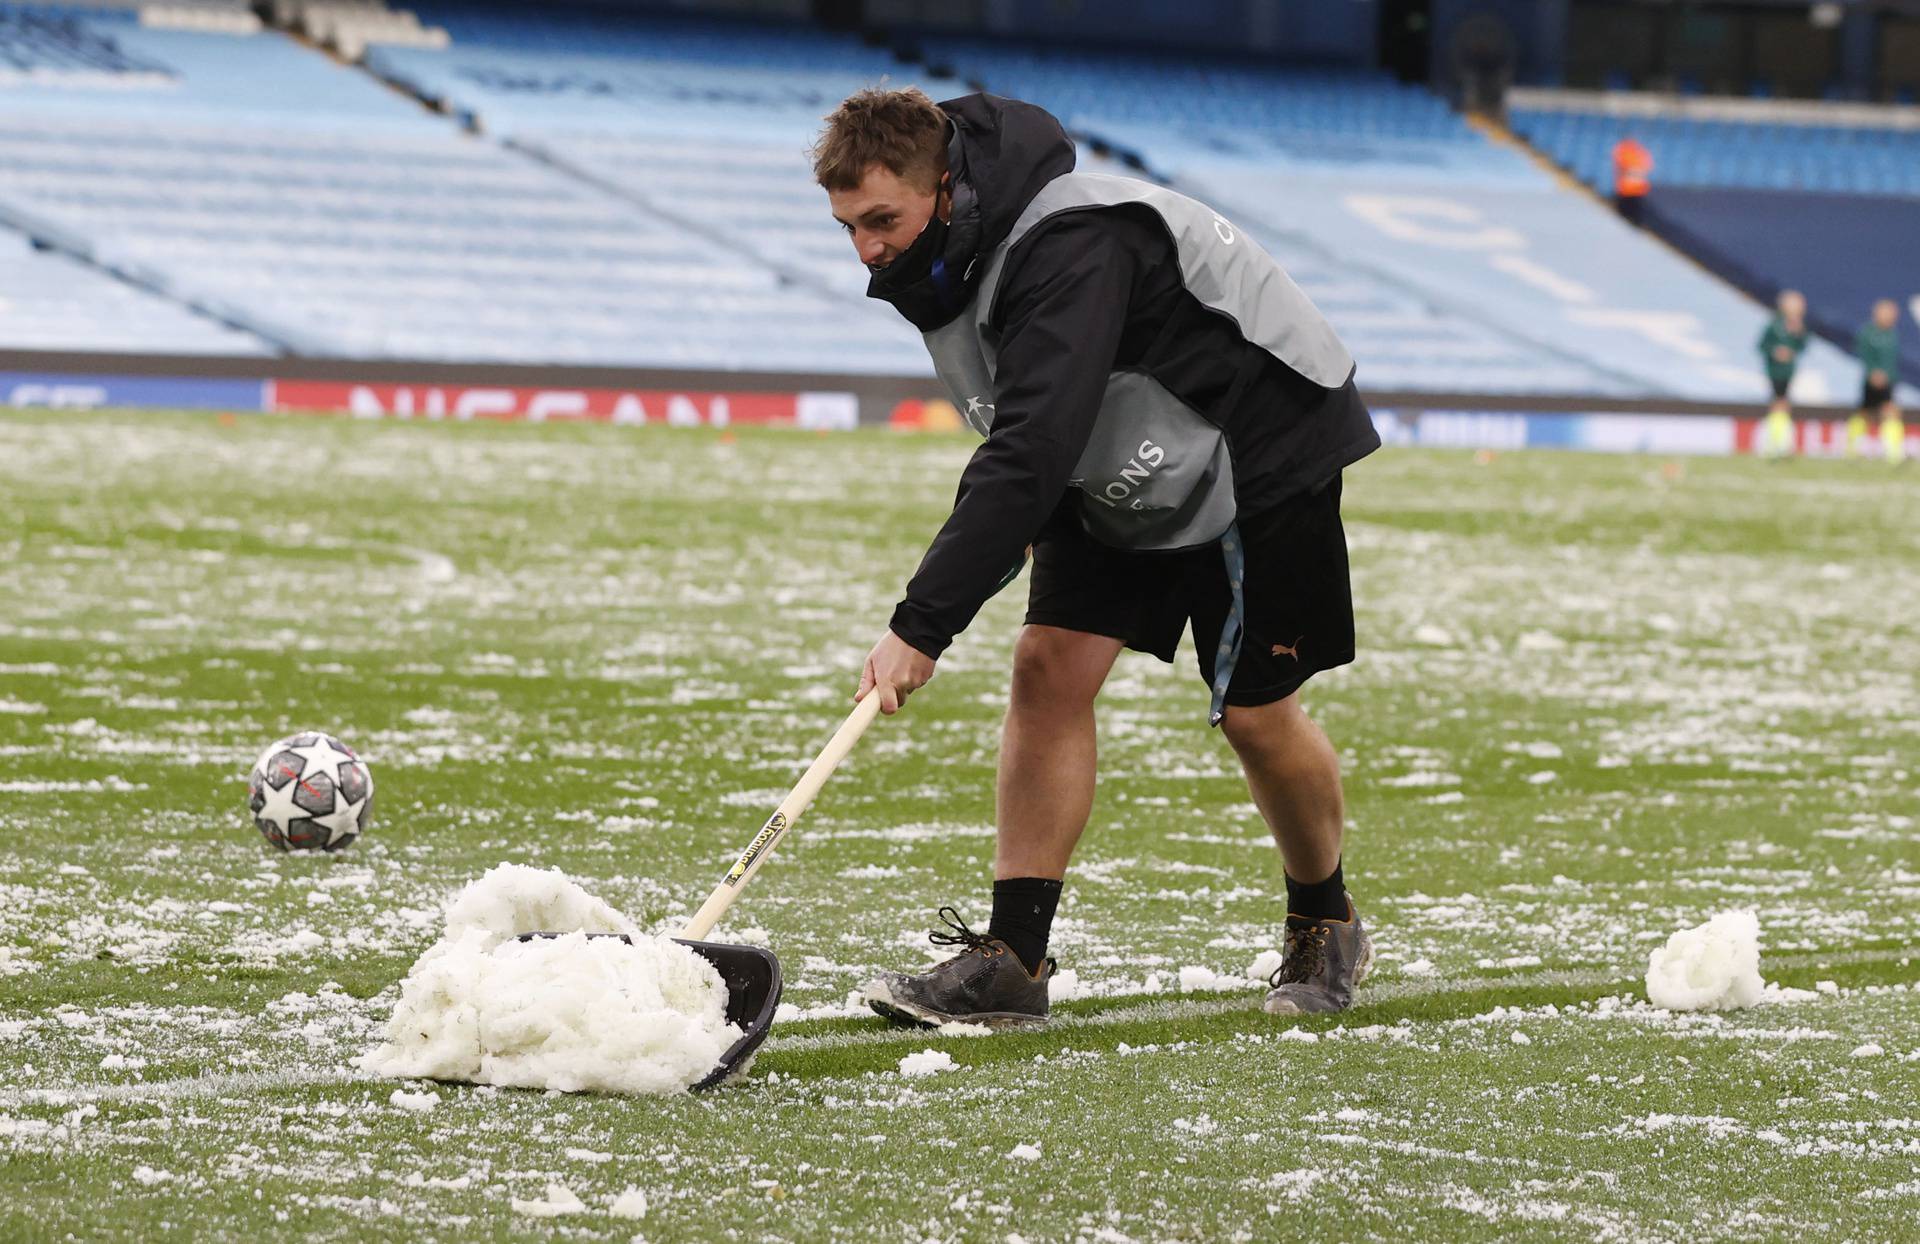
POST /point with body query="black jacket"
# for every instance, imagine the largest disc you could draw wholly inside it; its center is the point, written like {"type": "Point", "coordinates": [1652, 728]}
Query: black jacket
{"type": "Point", "coordinates": [1085, 294]}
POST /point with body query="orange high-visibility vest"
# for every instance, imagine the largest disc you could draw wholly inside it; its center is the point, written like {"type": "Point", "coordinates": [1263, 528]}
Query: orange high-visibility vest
{"type": "Point", "coordinates": [1631, 164]}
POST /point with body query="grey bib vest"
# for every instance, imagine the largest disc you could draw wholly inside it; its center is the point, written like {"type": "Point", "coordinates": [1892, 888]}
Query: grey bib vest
{"type": "Point", "coordinates": [1156, 474]}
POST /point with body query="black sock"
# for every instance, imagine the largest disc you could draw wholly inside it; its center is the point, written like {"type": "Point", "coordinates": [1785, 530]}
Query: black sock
{"type": "Point", "coordinates": [1023, 916]}
{"type": "Point", "coordinates": [1323, 900]}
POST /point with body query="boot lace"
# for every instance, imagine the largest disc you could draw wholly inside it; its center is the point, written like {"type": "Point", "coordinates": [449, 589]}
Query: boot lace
{"type": "Point", "coordinates": [1302, 956]}
{"type": "Point", "coordinates": [959, 934]}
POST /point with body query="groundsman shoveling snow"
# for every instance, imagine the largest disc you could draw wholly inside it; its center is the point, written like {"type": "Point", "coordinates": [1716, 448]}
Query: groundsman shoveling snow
{"type": "Point", "coordinates": [573, 1012]}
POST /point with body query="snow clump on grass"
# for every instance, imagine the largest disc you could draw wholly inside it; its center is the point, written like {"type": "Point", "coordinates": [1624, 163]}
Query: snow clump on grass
{"type": "Point", "coordinates": [926, 1063]}
{"type": "Point", "coordinates": [1713, 967]}
{"type": "Point", "coordinates": [419, 1103]}
{"type": "Point", "coordinates": [573, 1012]}
{"type": "Point", "coordinates": [559, 1200]}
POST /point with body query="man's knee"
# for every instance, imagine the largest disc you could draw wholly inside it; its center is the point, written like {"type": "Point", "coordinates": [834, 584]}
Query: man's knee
{"type": "Point", "coordinates": [1055, 668]}
{"type": "Point", "coordinates": [1257, 727]}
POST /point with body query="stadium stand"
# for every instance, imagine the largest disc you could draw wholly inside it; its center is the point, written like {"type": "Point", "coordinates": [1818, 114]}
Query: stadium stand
{"type": "Point", "coordinates": [694, 113]}
{"type": "Point", "coordinates": [350, 27]}
{"type": "Point", "coordinates": [333, 217]}
{"type": "Point", "coordinates": [702, 121]}
{"type": "Point", "coordinates": [49, 302]}
{"type": "Point", "coordinates": [1447, 261]}
{"type": "Point", "coordinates": [1771, 196]}
{"type": "Point", "coordinates": [1717, 143]}
{"type": "Point", "coordinates": [1844, 252]}
{"type": "Point", "coordinates": [636, 193]}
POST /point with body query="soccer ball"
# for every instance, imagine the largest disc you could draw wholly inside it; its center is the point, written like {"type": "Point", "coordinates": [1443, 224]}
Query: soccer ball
{"type": "Point", "coordinates": [310, 792]}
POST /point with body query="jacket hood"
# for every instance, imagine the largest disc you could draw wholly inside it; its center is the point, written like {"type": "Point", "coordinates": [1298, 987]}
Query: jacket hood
{"type": "Point", "coordinates": [1000, 152]}
{"type": "Point", "coordinates": [1007, 150]}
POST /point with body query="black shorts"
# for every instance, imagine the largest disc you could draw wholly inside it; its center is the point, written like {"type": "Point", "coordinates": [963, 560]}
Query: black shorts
{"type": "Point", "coordinates": [1875, 396]}
{"type": "Point", "coordinates": [1299, 601]}
{"type": "Point", "coordinates": [1780, 383]}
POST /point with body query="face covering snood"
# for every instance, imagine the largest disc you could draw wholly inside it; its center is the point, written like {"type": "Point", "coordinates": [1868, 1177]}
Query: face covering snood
{"type": "Point", "coordinates": [932, 280]}
{"type": "Point", "coordinates": [917, 282]}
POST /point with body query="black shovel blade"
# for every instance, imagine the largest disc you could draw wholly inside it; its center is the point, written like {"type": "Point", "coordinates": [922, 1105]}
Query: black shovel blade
{"type": "Point", "coordinates": [753, 981]}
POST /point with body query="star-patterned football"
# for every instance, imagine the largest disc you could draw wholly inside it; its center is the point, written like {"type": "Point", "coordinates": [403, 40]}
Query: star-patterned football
{"type": "Point", "coordinates": [309, 792]}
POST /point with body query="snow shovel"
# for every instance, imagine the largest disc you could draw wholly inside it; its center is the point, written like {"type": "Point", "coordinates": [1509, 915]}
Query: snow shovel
{"type": "Point", "coordinates": [752, 973]}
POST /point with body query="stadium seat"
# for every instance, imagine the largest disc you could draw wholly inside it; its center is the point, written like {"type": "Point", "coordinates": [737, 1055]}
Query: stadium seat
{"type": "Point", "coordinates": [50, 302]}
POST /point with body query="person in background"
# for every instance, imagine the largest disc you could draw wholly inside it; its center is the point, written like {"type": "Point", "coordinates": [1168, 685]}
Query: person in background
{"type": "Point", "coordinates": [1780, 348]}
{"type": "Point", "coordinates": [1632, 169]}
{"type": "Point", "coordinates": [1877, 346]}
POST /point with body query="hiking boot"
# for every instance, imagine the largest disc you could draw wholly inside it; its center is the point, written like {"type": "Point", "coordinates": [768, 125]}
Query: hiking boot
{"type": "Point", "coordinates": [984, 984]}
{"type": "Point", "coordinates": [1322, 963]}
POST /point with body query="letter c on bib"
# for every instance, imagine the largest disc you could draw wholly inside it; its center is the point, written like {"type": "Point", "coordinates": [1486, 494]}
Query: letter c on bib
{"type": "Point", "coordinates": [1225, 230]}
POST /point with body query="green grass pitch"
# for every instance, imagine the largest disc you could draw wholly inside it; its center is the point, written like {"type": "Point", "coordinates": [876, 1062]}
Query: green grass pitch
{"type": "Point", "coordinates": [1598, 699]}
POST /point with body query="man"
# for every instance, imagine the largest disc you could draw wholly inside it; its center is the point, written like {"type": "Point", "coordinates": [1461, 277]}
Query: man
{"type": "Point", "coordinates": [1632, 178]}
{"type": "Point", "coordinates": [1166, 419]}
{"type": "Point", "coordinates": [1877, 346]}
{"type": "Point", "coordinates": [1781, 345]}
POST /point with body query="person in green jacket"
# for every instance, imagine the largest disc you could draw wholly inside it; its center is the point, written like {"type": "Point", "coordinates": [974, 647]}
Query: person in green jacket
{"type": "Point", "coordinates": [1780, 348]}
{"type": "Point", "coordinates": [1877, 346]}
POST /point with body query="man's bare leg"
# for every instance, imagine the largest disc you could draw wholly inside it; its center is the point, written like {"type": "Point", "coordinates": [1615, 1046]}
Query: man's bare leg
{"type": "Point", "coordinates": [1294, 776]}
{"type": "Point", "coordinates": [1044, 796]}
{"type": "Point", "coordinates": [1048, 751]}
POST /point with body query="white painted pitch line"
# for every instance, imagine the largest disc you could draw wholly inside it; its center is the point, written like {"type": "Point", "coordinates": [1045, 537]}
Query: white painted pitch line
{"type": "Point", "coordinates": [225, 1085]}
{"type": "Point", "coordinates": [1156, 1009]}
{"type": "Point", "coordinates": [1152, 1009]}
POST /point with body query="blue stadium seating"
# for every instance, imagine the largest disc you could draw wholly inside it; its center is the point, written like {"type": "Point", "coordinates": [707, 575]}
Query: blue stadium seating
{"type": "Point", "coordinates": [49, 302]}
{"type": "Point", "coordinates": [1447, 261]}
{"type": "Point", "coordinates": [1158, 91]}
{"type": "Point", "coordinates": [638, 194]}
{"type": "Point", "coordinates": [375, 229]}
{"type": "Point", "coordinates": [420, 246]}
{"type": "Point", "coordinates": [1767, 155]}
{"type": "Point", "coordinates": [119, 68]}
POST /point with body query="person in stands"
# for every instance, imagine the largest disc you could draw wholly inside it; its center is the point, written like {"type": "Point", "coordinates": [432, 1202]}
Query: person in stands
{"type": "Point", "coordinates": [1632, 177]}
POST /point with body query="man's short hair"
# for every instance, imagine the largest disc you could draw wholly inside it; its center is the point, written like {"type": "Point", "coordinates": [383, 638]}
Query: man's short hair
{"type": "Point", "coordinates": [899, 129]}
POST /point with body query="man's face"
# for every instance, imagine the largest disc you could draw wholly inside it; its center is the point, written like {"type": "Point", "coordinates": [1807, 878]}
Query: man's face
{"type": "Point", "coordinates": [1792, 307]}
{"type": "Point", "coordinates": [1886, 314]}
{"type": "Point", "coordinates": [884, 214]}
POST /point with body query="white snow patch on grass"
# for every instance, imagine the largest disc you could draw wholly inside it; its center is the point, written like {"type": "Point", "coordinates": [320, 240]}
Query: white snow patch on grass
{"type": "Point", "coordinates": [1713, 967]}
{"type": "Point", "coordinates": [559, 1200]}
{"type": "Point", "coordinates": [418, 1103]}
{"type": "Point", "coordinates": [926, 1063]}
{"type": "Point", "coordinates": [573, 1012]}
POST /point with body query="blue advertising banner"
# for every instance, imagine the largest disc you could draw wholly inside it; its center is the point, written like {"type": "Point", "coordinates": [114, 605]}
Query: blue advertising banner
{"type": "Point", "coordinates": [84, 392]}
{"type": "Point", "coordinates": [1595, 432]}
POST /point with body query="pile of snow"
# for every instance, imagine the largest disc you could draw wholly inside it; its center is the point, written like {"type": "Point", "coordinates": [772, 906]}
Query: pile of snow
{"type": "Point", "coordinates": [419, 1103]}
{"type": "Point", "coordinates": [574, 1013]}
{"type": "Point", "coordinates": [1713, 967]}
{"type": "Point", "coordinates": [926, 1063]}
{"type": "Point", "coordinates": [559, 1200]}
